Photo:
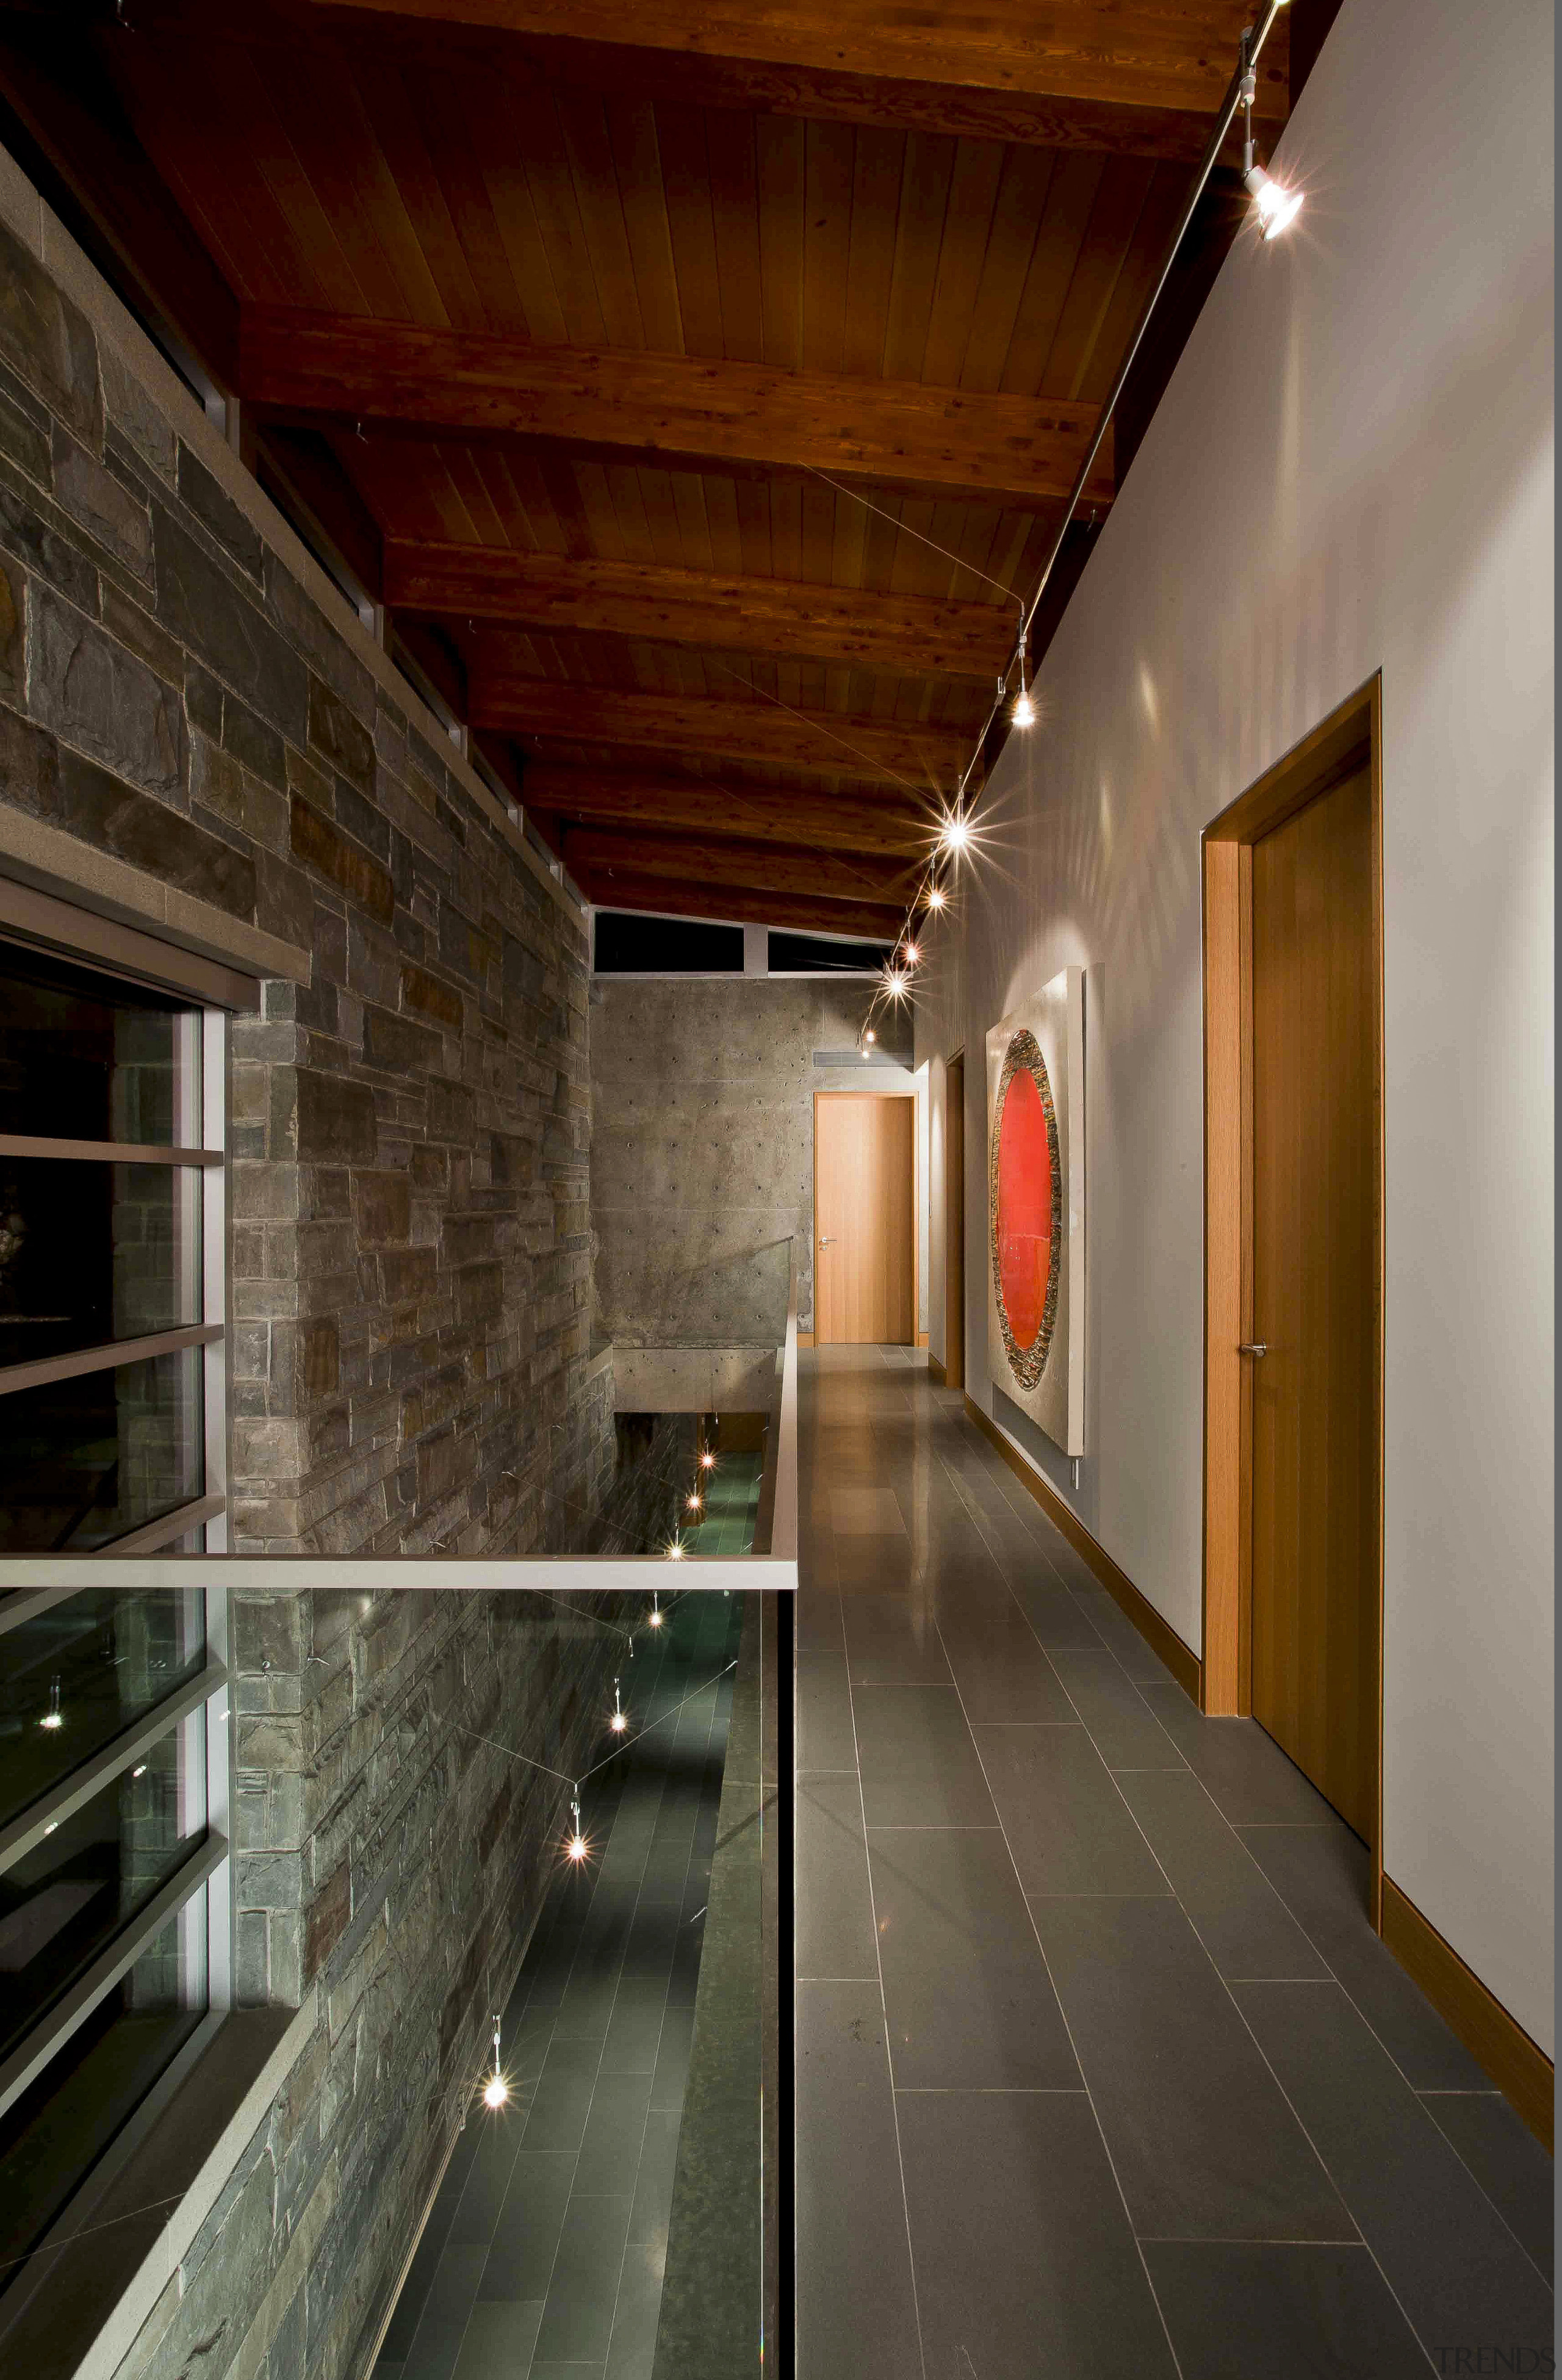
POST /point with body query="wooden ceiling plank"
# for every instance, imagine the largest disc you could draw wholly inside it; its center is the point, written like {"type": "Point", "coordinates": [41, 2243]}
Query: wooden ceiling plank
{"type": "Point", "coordinates": [685, 170]}
{"type": "Point", "coordinates": [758, 813]}
{"type": "Point", "coordinates": [707, 610]}
{"type": "Point", "coordinates": [589, 146]}
{"type": "Point", "coordinates": [829, 161]}
{"type": "Point", "coordinates": [456, 164]}
{"type": "Point", "coordinates": [1016, 221]}
{"type": "Point", "coordinates": [723, 523]}
{"type": "Point", "coordinates": [505, 695]}
{"type": "Point", "coordinates": [538, 137]}
{"type": "Point", "coordinates": [1153, 235]}
{"type": "Point", "coordinates": [1119, 205]}
{"type": "Point", "coordinates": [781, 145]}
{"type": "Point", "coordinates": [399, 135]}
{"type": "Point", "coordinates": [735, 203]}
{"type": "Point", "coordinates": [974, 190]}
{"type": "Point", "coordinates": [925, 188]}
{"type": "Point", "coordinates": [327, 134]}
{"type": "Point", "coordinates": [488, 102]}
{"type": "Point", "coordinates": [680, 409]}
{"type": "Point", "coordinates": [637, 168]}
{"type": "Point", "coordinates": [735, 906]}
{"type": "Point", "coordinates": [878, 168]}
{"type": "Point", "coordinates": [1080, 73]}
{"type": "Point", "coordinates": [1070, 196]}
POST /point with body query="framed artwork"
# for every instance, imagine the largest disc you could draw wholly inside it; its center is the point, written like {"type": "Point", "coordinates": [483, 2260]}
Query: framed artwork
{"type": "Point", "coordinates": [1036, 1208]}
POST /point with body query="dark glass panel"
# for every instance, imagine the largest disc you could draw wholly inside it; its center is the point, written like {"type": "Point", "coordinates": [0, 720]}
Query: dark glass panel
{"type": "Point", "coordinates": [815, 954]}
{"type": "Point", "coordinates": [94, 1665]}
{"type": "Point", "coordinates": [62, 2124]}
{"type": "Point", "coordinates": [95, 1870]}
{"type": "Point", "coordinates": [84, 1461]}
{"type": "Point", "coordinates": [90, 1254]}
{"type": "Point", "coordinates": [627, 944]}
{"type": "Point", "coordinates": [83, 1057]}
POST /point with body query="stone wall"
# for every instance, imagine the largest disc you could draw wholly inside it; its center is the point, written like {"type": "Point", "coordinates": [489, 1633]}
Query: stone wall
{"type": "Point", "coordinates": [703, 1152]}
{"type": "Point", "coordinates": [411, 1366]}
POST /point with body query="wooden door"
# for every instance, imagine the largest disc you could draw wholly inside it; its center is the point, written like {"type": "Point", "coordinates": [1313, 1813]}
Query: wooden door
{"type": "Point", "coordinates": [954, 1225]}
{"type": "Point", "coordinates": [864, 1219]}
{"type": "Point", "coordinates": [1316, 1504]}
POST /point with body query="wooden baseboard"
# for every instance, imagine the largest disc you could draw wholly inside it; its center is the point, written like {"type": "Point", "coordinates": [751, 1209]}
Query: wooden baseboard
{"type": "Point", "coordinates": [804, 1338]}
{"type": "Point", "coordinates": [936, 1372]}
{"type": "Point", "coordinates": [1159, 1634]}
{"type": "Point", "coordinates": [922, 1338]}
{"type": "Point", "coordinates": [1518, 2067]}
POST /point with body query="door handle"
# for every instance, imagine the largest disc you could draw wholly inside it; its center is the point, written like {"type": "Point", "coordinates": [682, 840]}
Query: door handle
{"type": "Point", "coordinates": [827, 1239]}
{"type": "Point", "coordinates": [1254, 1347]}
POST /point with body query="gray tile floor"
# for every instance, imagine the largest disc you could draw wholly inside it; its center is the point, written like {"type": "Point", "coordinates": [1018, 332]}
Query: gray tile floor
{"type": "Point", "coordinates": [544, 2252]}
{"type": "Point", "coordinates": [1101, 2069]}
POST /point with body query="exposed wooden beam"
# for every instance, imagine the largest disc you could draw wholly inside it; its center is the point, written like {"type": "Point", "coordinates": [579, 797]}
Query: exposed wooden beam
{"type": "Point", "coordinates": [764, 814]}
{"type": "Point", "coordinates": [387, 376]}
{"type": "Point", "coordinates": [824, 742]}
{"type": "Point", "coordinates": [1143, 82]}
{"type": "Point", "coordinates": [907, 635]}
{"type": "Point", "coordinates": [74, 136]}
{"type": "Point", "coordinates": [757, 866]}
{"type": "Point", "coordinates": [800, 914]}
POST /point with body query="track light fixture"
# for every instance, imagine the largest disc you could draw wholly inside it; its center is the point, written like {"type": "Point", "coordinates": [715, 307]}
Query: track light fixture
{"type": "Point", "coordinates": [1278, 208]}
{"type": "Point", "coordinates": [935, 897]}
{"type": "Point", "coordinates": [910, 955]}
{"type": "Point", "coordinates": [955, 835]}
{"type": "Point", "coordinates": [496, 2090]}
{"type": "Point", "coordinates": [620, 1719]}
{"type": "Point", "coordinates": [1022, 711]}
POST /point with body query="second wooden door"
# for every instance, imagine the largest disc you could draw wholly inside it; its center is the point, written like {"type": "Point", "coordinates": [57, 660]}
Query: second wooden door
{"type": "Point", "coordinates": [865, 1234]}
{"type": "Point", "coordinates": [1317, 1563]}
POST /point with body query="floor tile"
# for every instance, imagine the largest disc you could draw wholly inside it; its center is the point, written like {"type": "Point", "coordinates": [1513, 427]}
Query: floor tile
{"type": "Point", "coordinates": [632, 2355]}
{"type": "Point", "coordinates": [1237, 1913]}
{"type": "Point", "coordinates": [556, 2119]}
{"type": "Point", "coordinates": [856, 2315]}
{"type": "Point", "coordinates": [1205, 2145]}
{"type": "Point", "coordinates": [1506, 2160]}
{"type": "Point", "coordinates": [653, 2181]}
{"type": "Point", "coordinates": [1025, 2261]}
{"type": "Point", "coordinates": [1119, 1723]}
{"type": "Point", "coordinates": [612, 2133]}
{"type": "Point", "coordinates": [577, 2318]}
{"type": "Point", "coordinates": [1003, 1675]}
{"type": "Point", "coordinates": [672, 2070]}
{"type": "Point", "coordinates": [866, 1512]}
{"type": "Point", "coordinates": [634, 2035]}
{"type": "Point", "coordinates": [436, 2342]}
{"type": "Point", "coordinates": [1069, 1828]}
{"type": "Point", "coordinates": [833, 1913]}
{"type": "Point", "coordinates": [919, 1765]}
{"type": "Point", "coordinates": [1321, 1873]}
{"type": "Point", "coordinates": [825, 1736]}
{"type": "Point", "coordinates": [498, 2340]}
{"type": "Point", "coordinates": [1450, 2259]}
{"type": "Point", "coordinates": [520, 2258]}
{"type": "Point", "coordinates": [890, 1642]}
{"type": "Point", "coordinates": [1286, 2312]}
{"type": "Point", "coordinates": [1249, 1778]}
{"type": "Point", "coordinates": [965, 1986]}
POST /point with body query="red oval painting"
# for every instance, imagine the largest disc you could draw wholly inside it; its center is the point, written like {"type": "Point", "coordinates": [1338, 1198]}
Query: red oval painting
{"type": "Point", "coordinates": [1024, 1207]}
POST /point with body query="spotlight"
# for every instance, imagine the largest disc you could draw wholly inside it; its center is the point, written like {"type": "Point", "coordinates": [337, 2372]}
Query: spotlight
{"type": "Point", "coordinates": [52, 1719]}
{"type": "Point", "coordinates": [138, 1772]}
{"type": "Point", "coordinates": [955, 835]}
{"type": "Point", "coordinates": [1023, 710]}
{"type": "Point", "coordinates": [496, 2090]}
{"type": "Point", "coordinates": [894, 982]}
{"type": "Point", "coordinates": [936, 897]}
{"type": "Point", "coordinates": [910, 955]}
{"type": "Point", "coordinates": [656, 1613]}
{"type": "Point", "coordinates": [676, 1550]}
{"type": "Point", "coordinates": [1277, 207]}
{"type": "Point", "coordinates": [870, 1035]}
{"type": "Point", "coordinates": [620, 1719]}
{"type": "Point", "coordinates": [707, 1461]}
{"type": "Point", "coordinates": [575, 1848]}
{"type": "Point", "coordinates": [694, 1503]}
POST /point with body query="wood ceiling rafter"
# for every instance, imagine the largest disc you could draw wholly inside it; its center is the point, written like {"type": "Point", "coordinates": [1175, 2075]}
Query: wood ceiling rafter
{"type": "Point", "coordinates": [757, 868]}
{"type": "Point", "coordinates": [1084, 73]}
{"type": "Point", "coordinates": [407, 377]}
{"type": "Point", "coordinates": [826, 821]}
{"type": "Point", "coordinates": [899, 633]}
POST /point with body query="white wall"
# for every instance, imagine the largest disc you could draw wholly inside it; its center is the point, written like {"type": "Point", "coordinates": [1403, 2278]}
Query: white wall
{"type": "Point", "coordinates": [1351, 469]}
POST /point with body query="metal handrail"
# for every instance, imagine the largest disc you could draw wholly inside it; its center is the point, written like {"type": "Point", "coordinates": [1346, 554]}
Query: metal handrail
{"type": "Point", "coordinates": [775, 1524]}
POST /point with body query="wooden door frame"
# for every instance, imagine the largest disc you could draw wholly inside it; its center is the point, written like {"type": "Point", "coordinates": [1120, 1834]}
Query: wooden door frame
{"type": "Point", "coordinates": [954, 1244]}
{"type": "Point", "coordinates": [1337, 747]}
{"type": "Point", "coordinates": [868, 1091]}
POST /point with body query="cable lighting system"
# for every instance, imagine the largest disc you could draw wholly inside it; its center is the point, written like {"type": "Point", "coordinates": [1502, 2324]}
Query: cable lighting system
{"type": "Point", "coordinates": [1276, 208]}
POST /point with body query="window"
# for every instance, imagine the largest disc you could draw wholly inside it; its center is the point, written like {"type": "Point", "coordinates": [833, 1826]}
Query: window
{"type": "Point", "coordinates": [114, 1885]}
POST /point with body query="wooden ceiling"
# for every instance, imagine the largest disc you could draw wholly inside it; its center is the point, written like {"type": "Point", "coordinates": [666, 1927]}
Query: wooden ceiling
{"type": "Point", "coordinates": [626, 355]}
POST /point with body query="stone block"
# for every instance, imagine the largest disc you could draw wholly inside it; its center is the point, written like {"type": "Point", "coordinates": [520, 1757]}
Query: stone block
{"type": "Point", "coordinates": [104, 506]}
{"type": "Point", "coordinates": [217, 513]}
{"type": "Point", "coordinates": [48, 342]}
{"type": "Point", "coordinates": [198, 603]}
{"type": "Point", "coordinates": [326, 1919]}
{"type": "Point", "coordinates": [23, 439]}
{"type": "Point", "coordinates": [332, 1118]}
{"type": "Point", "coordinates": [407, 1274]}
{"type": "Point", "coordinates": [395, 1045]}
{"type": "Point", "coordinates": [13, 634]}
{"type": "Point", "coordinates": [429, 996]}
{"type": "Point", "coordinates": [480, 1292]}
{"type": "Point", "coordinates": [451, 1112]}
{"type": "Point", "coordinates": [134, 415]}
{"type": "Point", "coordinates": [255, 746]}
{"type": "Point", "coordinates": [128, 625]}
{"type": "Point", "coordinates": [322, 846]}
{"type": "Point", "coordinates": [381, 1208]}
{"type": "Point", "coordinates": [216, 780]}
{"type": "Point", "coordinates": [26, 532]}
{"type": "Point", "coordinates": [99, 697]}
{"type": "Point", "coordinates": [463, 946]}
{"type": "Point", "coordinates": [339, 739]}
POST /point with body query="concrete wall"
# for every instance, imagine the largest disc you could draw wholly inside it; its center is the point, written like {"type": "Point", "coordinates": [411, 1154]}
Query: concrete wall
{"type": "Point", "coordinates": [703, 1152]}
{"type": "Point", "coordinates": [1351, 470]}
{"type": "Point", "coordinates": [196, 732]}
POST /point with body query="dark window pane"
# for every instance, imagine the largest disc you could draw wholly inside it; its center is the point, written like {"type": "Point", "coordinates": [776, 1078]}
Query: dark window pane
{"type": "Point", "coordinates": [94, 1665]}
{"type": "Point", "coordinates": [628, 944]}
{"type": "Point", "coordinates": [85, 1058]}
{"type": "Point", "coordinates": [84, 1461]}
{"type": "Point", "coordinates": [814, 955]}
{"type": "Point", "coordinates": [90, 1254]}
{"type": "Point", "coordinates": [93, 1871]}
{"type": "Point", "coordinates": [59, 2128]}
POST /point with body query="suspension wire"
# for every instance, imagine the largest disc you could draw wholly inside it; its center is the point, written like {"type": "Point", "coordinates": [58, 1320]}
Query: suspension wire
{"type": "Point", "coordinates": [907, 531]}
{"type": "Point", "coordinates": [811, 719]}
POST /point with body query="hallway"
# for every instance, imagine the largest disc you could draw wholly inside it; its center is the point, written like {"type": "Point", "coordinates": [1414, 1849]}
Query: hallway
{"type": "Point", "coordinates": [1100, 2069]}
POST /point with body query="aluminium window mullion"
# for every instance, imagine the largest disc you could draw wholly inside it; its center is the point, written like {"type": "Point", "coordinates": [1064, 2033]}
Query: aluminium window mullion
{"type": "Point", "coordinates": [63, 1800]}
{"type": "Point", "coordinates": [108, 1357]}
{"type": "Point", "coordinates": [106, 1152]}
{"type": "Point", "coordinates": [33, 2052]}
